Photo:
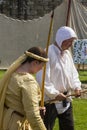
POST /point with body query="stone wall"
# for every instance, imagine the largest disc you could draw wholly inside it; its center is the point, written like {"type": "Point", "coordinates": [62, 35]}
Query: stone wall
{"type": "Point", "coordinates": [29, 9]}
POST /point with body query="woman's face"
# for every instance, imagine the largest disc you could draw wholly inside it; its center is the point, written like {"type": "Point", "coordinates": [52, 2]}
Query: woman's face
{"type": "Point", "coordinates": [67, 43]}
{"type": "Point", "coordinates": [37, 66]}
{"type": "Point", "coordinates": [40, 65]}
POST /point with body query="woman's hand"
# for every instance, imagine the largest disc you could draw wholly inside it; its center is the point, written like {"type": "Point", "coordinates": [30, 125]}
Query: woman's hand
{"type": "Point", "coordinates": [42, 110]}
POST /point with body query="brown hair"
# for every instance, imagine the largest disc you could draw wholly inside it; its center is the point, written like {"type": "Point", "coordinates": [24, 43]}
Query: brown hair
{"type": "Point", "coordinates": [38, 51]}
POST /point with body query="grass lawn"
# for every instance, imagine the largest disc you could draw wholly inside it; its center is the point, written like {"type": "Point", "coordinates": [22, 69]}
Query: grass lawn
{"type": "Point", "coordinates": [79, 113]}
{"type": "Point", "coordinates": [2, 73]}
{"type": "Point", "coordinates": [83, 76]}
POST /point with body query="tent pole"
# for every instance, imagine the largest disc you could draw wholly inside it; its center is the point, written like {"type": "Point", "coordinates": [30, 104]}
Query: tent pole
{"type": "Point", "coordinates": [68, 12]}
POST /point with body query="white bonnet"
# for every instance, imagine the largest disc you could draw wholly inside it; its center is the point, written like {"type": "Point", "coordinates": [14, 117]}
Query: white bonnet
{"type": "Point", "coordinates": [64, 33]}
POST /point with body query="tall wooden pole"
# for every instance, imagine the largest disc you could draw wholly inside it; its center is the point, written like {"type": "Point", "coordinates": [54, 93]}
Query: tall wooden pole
{"type": "Point", "coordinates": [44, 69]}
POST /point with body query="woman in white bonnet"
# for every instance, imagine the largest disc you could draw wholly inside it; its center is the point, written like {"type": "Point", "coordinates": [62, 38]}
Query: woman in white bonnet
{"type": "Point", "coordinates": [61, 78]}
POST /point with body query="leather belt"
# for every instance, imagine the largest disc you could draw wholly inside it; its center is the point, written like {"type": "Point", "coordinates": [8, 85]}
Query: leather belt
{"type": "Point", "coordinates": [16, 112]}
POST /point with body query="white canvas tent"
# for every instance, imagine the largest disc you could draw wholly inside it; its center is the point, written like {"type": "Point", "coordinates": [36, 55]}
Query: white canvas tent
{"type": "Point", "coordinates": [16, 36]}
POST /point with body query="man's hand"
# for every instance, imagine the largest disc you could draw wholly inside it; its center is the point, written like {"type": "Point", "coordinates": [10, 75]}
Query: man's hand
{"type": "Point", "coordinates": [77, 93]}
{"type": "Point", "coordinates": [60, 97]}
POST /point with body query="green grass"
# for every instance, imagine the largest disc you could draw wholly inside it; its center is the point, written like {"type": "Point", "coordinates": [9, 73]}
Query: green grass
{"type": "Point", "coordinates": [79, 114]}
{"type": "Point", "coordinates": [2, 73]}
{"type": "Point", "coordinates": [79, 107]}
{"type": "Point", "coordinates": [83, 76]}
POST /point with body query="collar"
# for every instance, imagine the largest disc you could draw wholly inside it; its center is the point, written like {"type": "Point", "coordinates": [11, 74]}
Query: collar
{"type": "Point", "coordinates": [61, 51]}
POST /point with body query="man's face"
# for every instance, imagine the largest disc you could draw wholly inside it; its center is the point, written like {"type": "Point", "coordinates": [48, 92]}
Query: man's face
{"type": "Point", "coordinates": [67, 43]}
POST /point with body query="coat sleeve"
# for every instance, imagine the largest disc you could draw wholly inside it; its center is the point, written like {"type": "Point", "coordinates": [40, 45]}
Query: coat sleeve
{"type": "Point", "coordinates": [30, 95]}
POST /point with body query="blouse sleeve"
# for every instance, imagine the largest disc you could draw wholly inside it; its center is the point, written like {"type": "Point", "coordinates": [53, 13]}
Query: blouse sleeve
{"type": "Point", "coordinates": [76, 81]}
{"type": "Point", "coordinates": [50, 89]}
{"type": "Point", "coordinates": [75, 76]}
